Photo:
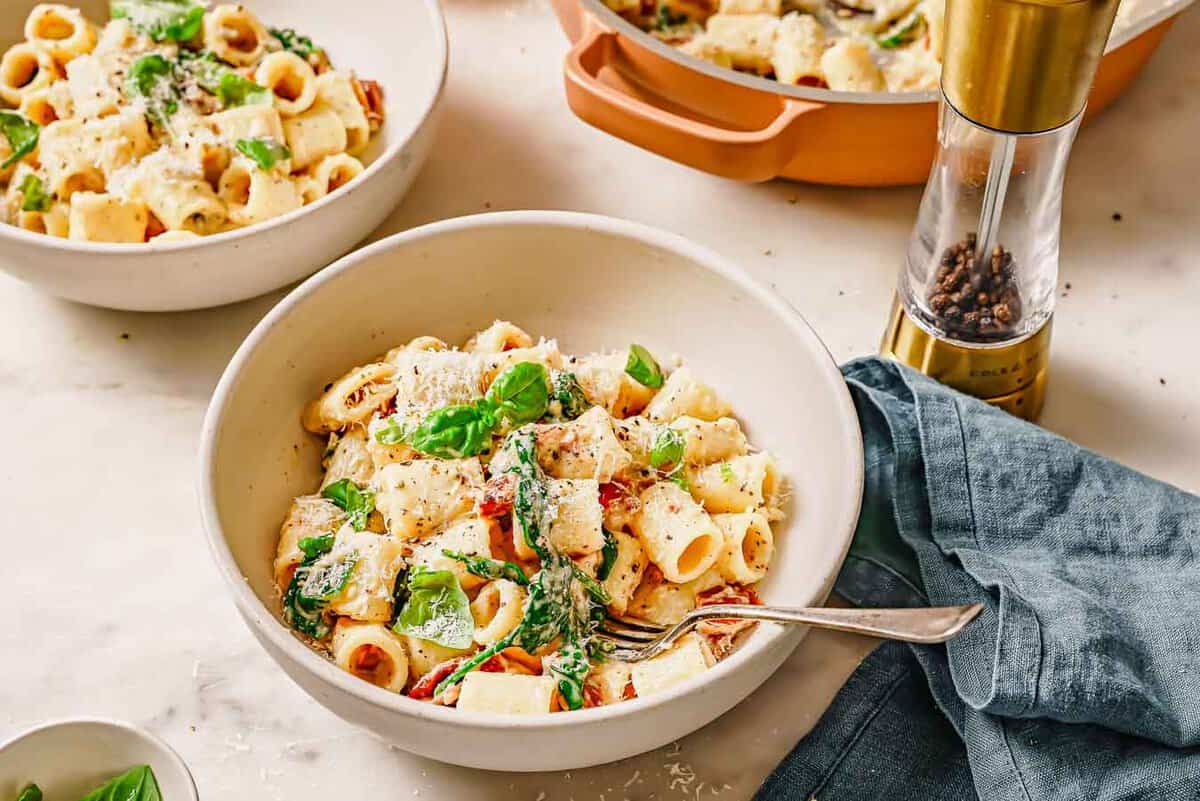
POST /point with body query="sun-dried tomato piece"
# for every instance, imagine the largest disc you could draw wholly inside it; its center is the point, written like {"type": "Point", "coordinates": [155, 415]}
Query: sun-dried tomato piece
{"type": "Point", "coordinates": [370, 97]}
{"type": "Point", "coordinates": [428, 683]}
{"type": "Point", "coordinates": [498, 494]}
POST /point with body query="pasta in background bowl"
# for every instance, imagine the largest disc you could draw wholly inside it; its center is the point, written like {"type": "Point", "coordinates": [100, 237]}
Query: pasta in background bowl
{"type": "Point", "coordinates": [192, 155]}
{"type": "Point", "coordinates": [591, 282]}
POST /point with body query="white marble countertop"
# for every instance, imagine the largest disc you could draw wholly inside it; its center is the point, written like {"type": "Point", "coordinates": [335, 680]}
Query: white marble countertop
{"type": "Point", "coordinates": [116, 609]}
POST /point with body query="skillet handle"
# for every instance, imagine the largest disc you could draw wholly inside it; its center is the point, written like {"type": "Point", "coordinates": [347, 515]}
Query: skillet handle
{"type": "Point", "coordinates": [757, 155]}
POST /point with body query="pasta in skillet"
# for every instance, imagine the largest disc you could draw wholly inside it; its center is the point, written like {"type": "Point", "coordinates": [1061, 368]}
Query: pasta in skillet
{"type": "Point", "coordinates": [172, 121]}
{"type": "Point", "coordinates": [483, 508]}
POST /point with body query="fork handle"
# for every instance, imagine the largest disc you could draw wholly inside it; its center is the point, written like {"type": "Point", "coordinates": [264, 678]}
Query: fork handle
{"type": "Point", "coordinates": [930, 624]}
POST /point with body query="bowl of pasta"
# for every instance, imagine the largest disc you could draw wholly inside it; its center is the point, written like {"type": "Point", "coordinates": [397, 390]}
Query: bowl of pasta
{"type": "Point", "coordinates": [837, 92]}
{"type": "Point", "coordinates": [158, 155]}
{"type": "Point", "coordinates": [436, 467]}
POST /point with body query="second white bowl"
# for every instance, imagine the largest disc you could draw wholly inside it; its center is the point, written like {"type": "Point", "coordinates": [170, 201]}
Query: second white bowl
{"type": "Point", "coordinates": [247, 262]}
{"type": "Point", "coordinates": [593, 283]}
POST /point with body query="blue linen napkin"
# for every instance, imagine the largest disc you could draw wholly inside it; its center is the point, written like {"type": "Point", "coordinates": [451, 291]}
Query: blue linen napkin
{"type": "Point", "coordinates": [1080, 680]}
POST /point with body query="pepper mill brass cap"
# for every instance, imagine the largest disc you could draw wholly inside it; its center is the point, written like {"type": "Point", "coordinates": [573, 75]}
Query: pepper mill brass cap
{"type": "Point", "coordinates": [1023, 66]}
{"type": "Point", "coordinates": [1011, 376]}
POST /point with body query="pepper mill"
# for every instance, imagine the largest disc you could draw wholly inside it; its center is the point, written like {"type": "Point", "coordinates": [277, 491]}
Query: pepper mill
{"type": "Point", "coordinates": [975, 298]}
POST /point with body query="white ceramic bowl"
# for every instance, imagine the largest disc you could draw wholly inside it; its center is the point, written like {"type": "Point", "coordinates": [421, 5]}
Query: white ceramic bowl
{"type": "Point", "coordinates": [592, 283]}
{"type": "Point", "coordinates": [400, 43]}
{"type": "Point", "coordinates": [69, 758]}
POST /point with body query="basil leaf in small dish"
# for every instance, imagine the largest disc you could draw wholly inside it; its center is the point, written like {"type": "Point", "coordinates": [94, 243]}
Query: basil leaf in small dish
{"type": "Point", "coordinates": [437, 609]}
{"type": "Point", "coordinates": [642, 367]}
{"type": "Point", "coordinates": [161, 20]}
{"type": "Point", "coordinates": [264, 152]}
{"type": "Point", "coordinates": [34, 197]}
{"type": "Point", "coordinates": [136, 784]}
{"type": "Point", "coordinates": [355, 502]}
{"type": "Point", "coordinates": [22, 135]}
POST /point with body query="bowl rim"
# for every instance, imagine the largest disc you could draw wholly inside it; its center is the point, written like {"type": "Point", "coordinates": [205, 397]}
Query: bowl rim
{"type": "Point", "coordinates": [139, 732]}
{"type": "Point", "coordinates": [816, 94]}
{"type": "Point", "coordinates": [430, 103]}
{"type": "Point", "coordinates": [253, 609]}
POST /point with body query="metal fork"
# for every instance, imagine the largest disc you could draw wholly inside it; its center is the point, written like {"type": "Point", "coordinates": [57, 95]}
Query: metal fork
{"type": "Point", "coordinates": [635, 640]}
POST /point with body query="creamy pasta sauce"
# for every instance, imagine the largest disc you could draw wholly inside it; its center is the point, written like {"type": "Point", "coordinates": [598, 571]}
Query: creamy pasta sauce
{"type": "Point", "coordinates": [172, 121]}
{"type": "Point", "coordinates": [483, 508]}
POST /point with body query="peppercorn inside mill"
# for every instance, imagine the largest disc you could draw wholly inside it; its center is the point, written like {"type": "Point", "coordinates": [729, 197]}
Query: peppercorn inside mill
{"type": "Point", "coordinates": [976, 299]}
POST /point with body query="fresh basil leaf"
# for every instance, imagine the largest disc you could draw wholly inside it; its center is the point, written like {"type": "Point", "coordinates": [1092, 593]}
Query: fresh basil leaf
{"type": "Point", "coordinates": [668, 448]}
{"type": "Point", "coordinates": [154, 80]}
{"type": "Point", "coordinates": [679, 479]}
{"type": "Point", "coordinates": [665, 18]}
{"type": "Point", "coordinates": [355, 502]}
{"type": "Point", "coordinates": [161, 20]}
{"type": "Point", "coordinates": [22, 135]}
{"type": "Point", "coordinates": [520, 393]}
{"type": "Point", "coordinates": [234, 90]}
{"type": "Point", "coordinates": [642, 368]}
{"type": "Point", "coordinates": [608, 555]}
{"type": "Point", "coordinates": [572, 401]}
{"type": "Point", "coordinates": [31, 792]}
{"type": "Point", "coordinates": [136, 784]}
{"type": "Point", "coordinates": [392, 433]}
{"type": "Point", "coordinates": [266, 153]}
{"type": "Point", "coordinates": [314, 547]}
{"type": "Point", "coordinates": [300, 45]}
{"type": "Point", "coordinates": [305, 615]}
{"type": "Point", "coordinates": [454, 432]}
{"type": "Point", "coordinates": [727, 474]}
{"type": "Point", "coordinates": [489, 569]}
{"type": "Point", "coordinates": [34, 197]}
{"type": "Point", "coordinates": [904, 32]}
{"type": "Point", "coordinates": [328, 576]}
{"type": "Point", "coordinates": [437, 609]}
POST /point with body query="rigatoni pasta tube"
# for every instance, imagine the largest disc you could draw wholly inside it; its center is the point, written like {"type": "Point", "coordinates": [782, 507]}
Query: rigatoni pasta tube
{"type": "Point", "coordinates": [353, 398]}
{"type": "Point", "coordinates": [24, 69]}
{"type": "Point", "coordinates": [419, 498]}
{"type": "Point", "coordinates": [60, 31]}
{"type": "Point", "coordinates": [329, 175]}
{"type": "Point", "coordinates": [796, 53]}
{"type": "Point", "coordinates": [506, 693]}
{"type": "Point", "coordinates": [710, 441]}
{"type": "Point", "coordinates": [576, 528]}
{"type": "Point", "coordinates": [374, 560]}
{"type": "Point", "coordinates": [292, 81]}
{"type": "Point", "coordinates": [497, 610]}
{"type": "Point", "coordinates": [313, 135]}
{"type": "Point", "coordinates": [39, 107]}
{"type": "Point", "coordinates": [253, 195]}
{"type": "Point", "coordinates": [626, 572]}
{"type": "Point", "coordinates": [425, 655]}
{"type": "Point", "coordinates": [677, 533]}
{"type": "Point", "coordinates": [498, 337]}
{"type": "Point", "coordinates": [234, 34]}
{"type": "Point", "coordinates": [848, 67]}
{"type": "Point", "coordinates": [249, 122]}
{"type": "Point", "coordinates": [371, 652]}
{"type": "Point", "coordinates": [746, 38]}
{"type": "Point", "coordinates": [471, 537]}
{"type": "Point", "coordinates": [749, 546]}
{"type": "Point", "coordinates": [738, 485]}
{"type": "Point", "coordinates": [335, 90]}
{"type": "Point", "coordinates": [349, 459]}
{"type": "Point", "coordinates": [309, 516]}
{"type": "Point", "coordinates": [102, 217]}
{"type": "Point", "coordinates": [586, 447]}
{"type": "Point", "coordinates": [685, 395]}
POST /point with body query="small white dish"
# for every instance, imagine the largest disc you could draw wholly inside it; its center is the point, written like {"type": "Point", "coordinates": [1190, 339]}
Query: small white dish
{"type": "Point", "coordinates": [69, 758]}
{"type": "Point", "coordinates": [591, 282]}
{"type": "Point", "coordinates": [408, 57]}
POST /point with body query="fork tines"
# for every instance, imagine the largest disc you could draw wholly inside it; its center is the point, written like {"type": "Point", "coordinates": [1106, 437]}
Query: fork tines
{"type": "Point", "coordinates": [633, 631]}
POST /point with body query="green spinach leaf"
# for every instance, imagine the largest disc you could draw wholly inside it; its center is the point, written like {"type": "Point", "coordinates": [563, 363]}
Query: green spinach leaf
{"type": "Point", "coordinates": [22, 135]}
{"type": "Point", "coordinates": [217, 78]}
{"type": "Point", "coordinates": [437, 609]}
{"type": "Point", "coordinates": [314, 547]}
{"type": "Point", "coordinates": [155, 81]}
{"type": "Point", "coordinates": [355, 502]}
{"type": "Point", "coordinates": [300, 45]}
{"type": "Point", "coordinates": [489, 569]}
{"type": "Point", "coordinates": [136, 784]}
{"type": "Point", "coordinates": [572, 402]}
{"type": "Point", "coordinates": [520, 394]}
{"type": "Point", "coordinates": [161, 20]}
{"type": "Point", "coordinates": [266, 153]}
{"type": "Point", "coordinates": [31, 792]}
{"type": "Point", "coordinates": [642, 368]}
{"type": "Point", "coordinates": [608, 555]}
{"type": "Point", "coordinates": [34, 197]}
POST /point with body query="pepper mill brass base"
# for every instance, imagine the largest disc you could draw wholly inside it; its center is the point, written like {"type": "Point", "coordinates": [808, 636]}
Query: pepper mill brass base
{"type": "Point", "coordinates": [1011, 376]}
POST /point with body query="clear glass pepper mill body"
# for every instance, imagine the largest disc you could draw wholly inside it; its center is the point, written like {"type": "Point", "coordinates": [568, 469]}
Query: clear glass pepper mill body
{"type": "Point", "coordinates": [982, 262]}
